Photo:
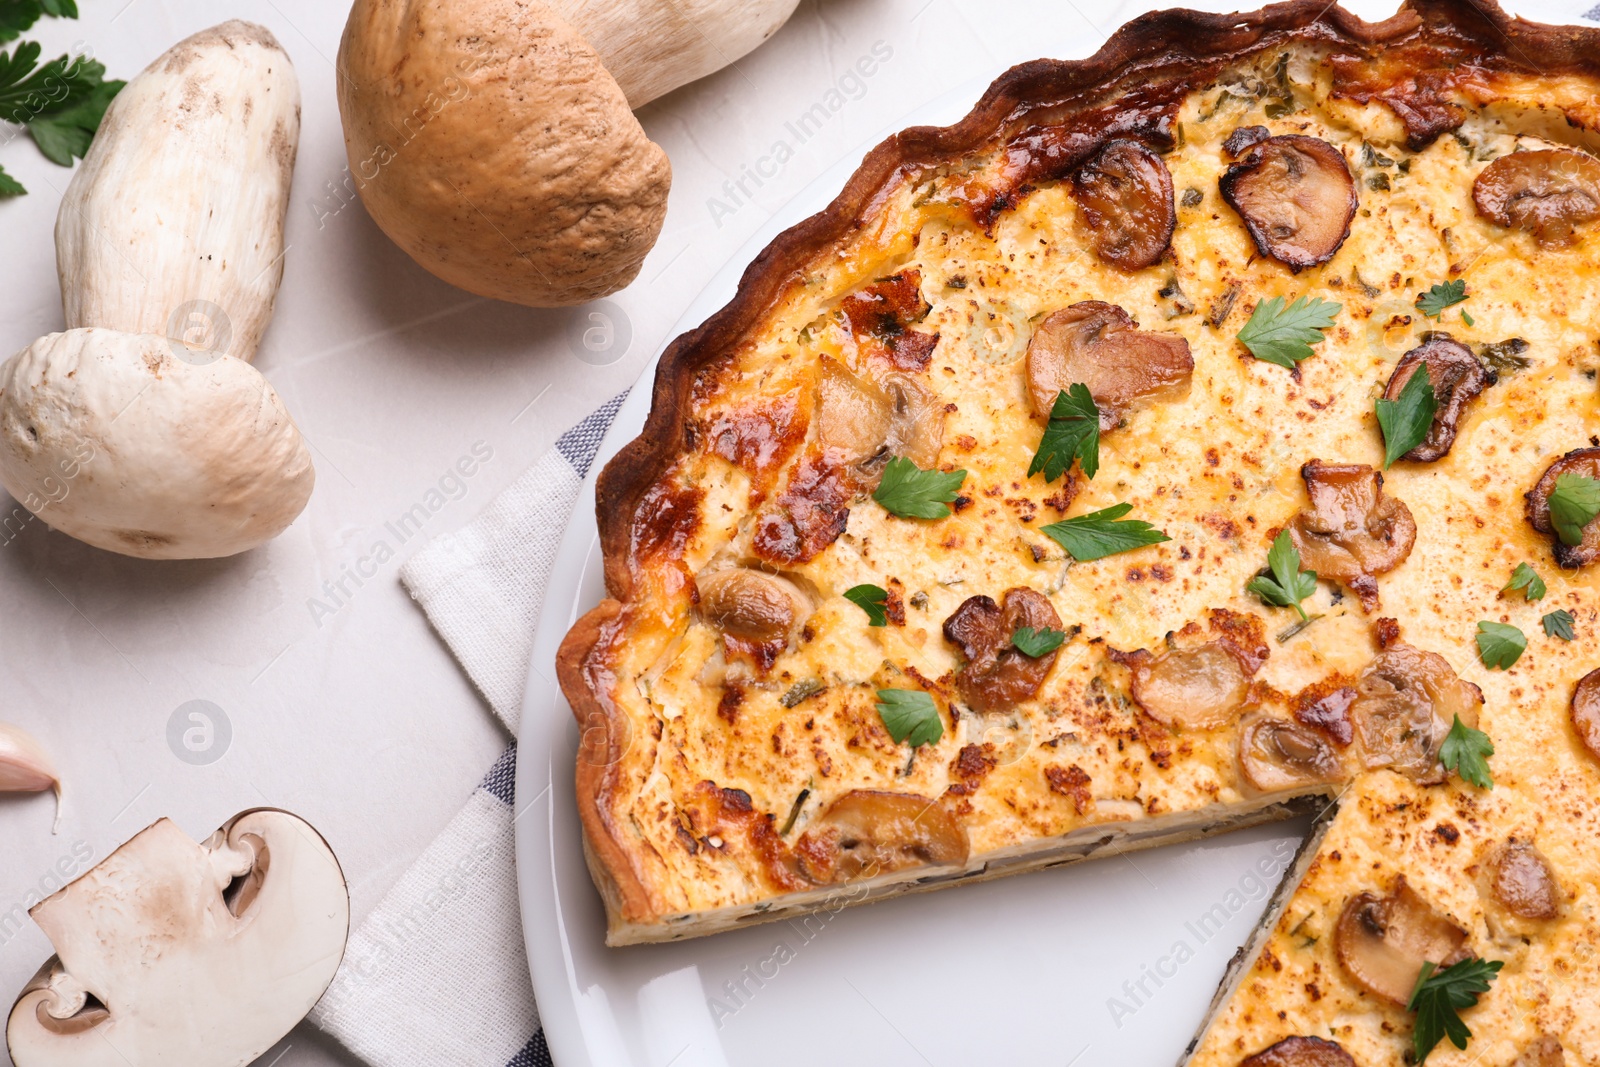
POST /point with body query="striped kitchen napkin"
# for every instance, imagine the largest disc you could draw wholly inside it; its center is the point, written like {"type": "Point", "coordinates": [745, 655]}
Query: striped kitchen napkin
{"type": "Point", "coordinates": [437, 976]}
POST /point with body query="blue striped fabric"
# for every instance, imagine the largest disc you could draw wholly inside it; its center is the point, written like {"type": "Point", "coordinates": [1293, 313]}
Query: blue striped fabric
{"type": "Point", "coordinates": [534, 1054]}
{"type": "Point", "coordinates": [580, 443]}
{"type": "Point", "coordinates": [502, 777]}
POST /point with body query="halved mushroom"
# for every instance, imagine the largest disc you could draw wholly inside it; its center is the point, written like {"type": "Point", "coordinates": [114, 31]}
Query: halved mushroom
{"type": "Point", "coordinates": [169, 951]}
{"type": "Point", "coordinates": [1100, 346]}
{"type": "Point", "coordinates": [1545, 1051]}
{"type": "Point", "coordinates": [868, 832]}
{"type": "Point", "coordinates": [998, 676]}
{"type": "Point", "coordinates": [1382, 942]}
{"type": "Point", "coordinates": [1548, 192]}
{"type": "Point", "coordinates": [752, 605]}
{"type": "Point", "coordinates": [867, 421]}
{"type": "Point", "coordinates": [1519, 879]}
{"type": "Point", "coordinates": [1301, 1052]}
{"type": "Point", "coordinates": [1457, 378]}
{"type": "Point", "coordinates": [1406, 702]}
{"type": "Point", "coordinates": [1296, 197]}
{"type": "Point", "coordinates": [1582, 461]}
{"type": "Point", "coordinates": [1124, 195]}
{"type": "Point", "coordinates": [1586, 712]}
{"type": "Point", "coordinates": [1194, 685]}
{"type": "Point", "coordinates": [1276, 754]}
{"type": "Point", "coordinates": [1353, 532]}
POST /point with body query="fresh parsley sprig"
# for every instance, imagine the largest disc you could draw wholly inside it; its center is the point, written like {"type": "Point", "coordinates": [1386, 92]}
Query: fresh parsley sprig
{"type": "Point", "coordinates": [913, 493]}
{"type": "Point", "coordinates": [1441, 296]}
{"type": "Point", "coordinates": [1466, 751]}
{"type": "Point", "coordinates": [1438, 998]}
{"type": "Point", "coordinates": [1284, 336]}
{"type": "Point", "coordinates": [872, 599]}
{"type": "Point", "coordinates": [1406, 421]}
{"type": "Point", "coordinates": [61, 102]}
{"type": "Point", "coordinates": [1289, 584]}
{"type": "Point", "coordinates": [1102, 533]}
{"type": "Point", "coordinates": [1558, 624]}
{"type": "Point", "coordinates": [1035, 643]}
{"type": "Point", "coordinates": [1574, 503]}
{"type": "Point", "coordinates": [1526, 579]}
{"type": "Point", "coordinates": [910, 715]}
{"type": "Point", "coordinates": [18, 15]}
{"type": "Point", "coordinates": [1073, 433]}
{"type": "Point", "coordinates": [1500, 645]}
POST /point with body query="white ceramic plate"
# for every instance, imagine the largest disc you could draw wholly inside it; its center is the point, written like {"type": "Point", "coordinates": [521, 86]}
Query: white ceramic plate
{"type": "Point", "coordinates": [1109, 962]}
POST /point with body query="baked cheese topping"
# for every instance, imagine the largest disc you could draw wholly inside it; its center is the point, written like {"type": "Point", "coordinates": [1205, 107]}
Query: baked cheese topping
{"type": "Point", "coordinates": [815, 690]}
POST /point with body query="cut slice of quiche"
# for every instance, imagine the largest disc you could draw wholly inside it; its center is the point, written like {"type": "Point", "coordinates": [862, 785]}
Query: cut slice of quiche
{"type": "Point", "coordinates": [1195, 434]}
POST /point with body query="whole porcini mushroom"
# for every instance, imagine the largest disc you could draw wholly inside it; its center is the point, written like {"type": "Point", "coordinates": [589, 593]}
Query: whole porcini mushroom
{"type": "Point", "coordinates": [492, 139]}
{"type": "Point", "coordinates": [143, 429]}
{"type": "Point", "coordinates": [173, 952]}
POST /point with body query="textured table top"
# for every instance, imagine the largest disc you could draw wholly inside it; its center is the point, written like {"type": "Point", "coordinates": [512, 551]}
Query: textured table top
{"type": "Point", "coordinates": [326, 691]}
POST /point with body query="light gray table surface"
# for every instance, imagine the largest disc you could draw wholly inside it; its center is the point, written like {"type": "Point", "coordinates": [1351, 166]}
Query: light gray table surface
{"type": "Point", "coordinates": [356, 717]}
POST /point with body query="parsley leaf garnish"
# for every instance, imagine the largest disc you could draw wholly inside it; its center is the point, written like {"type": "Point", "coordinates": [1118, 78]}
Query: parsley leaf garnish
{"type": "Point", "coordinates": [1500, 645]}
{"type": "Point", "coordinates": [1438, 999]}
{"type": "Point", "coordinates": [1441, 296]}
{"type": "Point", "coordinates": [1073, 433]}
{"type": "Point", "coordinates": [1558, 624]}
{"type": "Point", "coordinates": [1036, 643]}
{"type": "Point", "coordinates": [63, 134]}
{"type": "Point", "coordinates": [1289, 584]}
{"type": "Point", "coordinates": [872, 599]}
{"type": "Point", "coordinates": [17, 15]}
{"type": "Point", "coordinates": [1574, 503]}
{"type": "Point", "coordinates": [913, 493]}
{"type": "Point", "coordinates": [61, 102]}
{"type": "Point", "coordinates": [1464, 751]}
{"type": "Point", "coordinates": [910, 715]}
{"type": "Point", "coordinates": [1405, 422]}
{"type": "Point", "coordinates": [1284, 336]}
{"type": "Point", "coordinates": [1102, 533]}
{"type": "Point", "coordinates": [1526, 579]}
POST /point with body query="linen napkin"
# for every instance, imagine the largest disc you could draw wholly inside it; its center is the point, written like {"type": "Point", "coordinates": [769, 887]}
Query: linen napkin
{"type": "Point", "coordinates": [437, 976]}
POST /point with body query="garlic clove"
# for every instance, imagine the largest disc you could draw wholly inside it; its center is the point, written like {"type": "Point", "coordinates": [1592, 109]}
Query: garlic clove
{"type": "Point", "coordinates": [25, 768]}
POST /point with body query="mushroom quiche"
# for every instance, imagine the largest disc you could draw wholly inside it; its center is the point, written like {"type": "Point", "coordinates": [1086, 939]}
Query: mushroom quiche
{"type": "Point", "coordinates": [1193, 435]}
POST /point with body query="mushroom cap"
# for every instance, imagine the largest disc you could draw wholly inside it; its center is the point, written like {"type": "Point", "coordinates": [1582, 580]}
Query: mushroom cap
{"type": "Point", "coordinates": [752, 604]}
{"type": "Point", "coordinates": [997, 676]}
{"type": "Point", "coordinates": [1547, 192]}
{"type": "Point", "coordinates": [487, 139]}
{"type": "Point", "coordinates": [173, 223]}
{"type": "Point", "coordinates": [172, 951]}
{"type": "Point", "coordinates": [113, 439]}
{"type": "Point", "coordinates": [1124, 195]}
{"type": "Point", "coordinates": [1580, 461]}
{"type": "Point", "coordinates": [1382, 942]}
{"type": "Point", "coordinates": [1457, 378]}
{"type": "Point", "coordinates": [865, 420]}
{"type": "Point", "coordinates": [1295, 195]}
{"type": "Point", "coordinates": [1100, 346]}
